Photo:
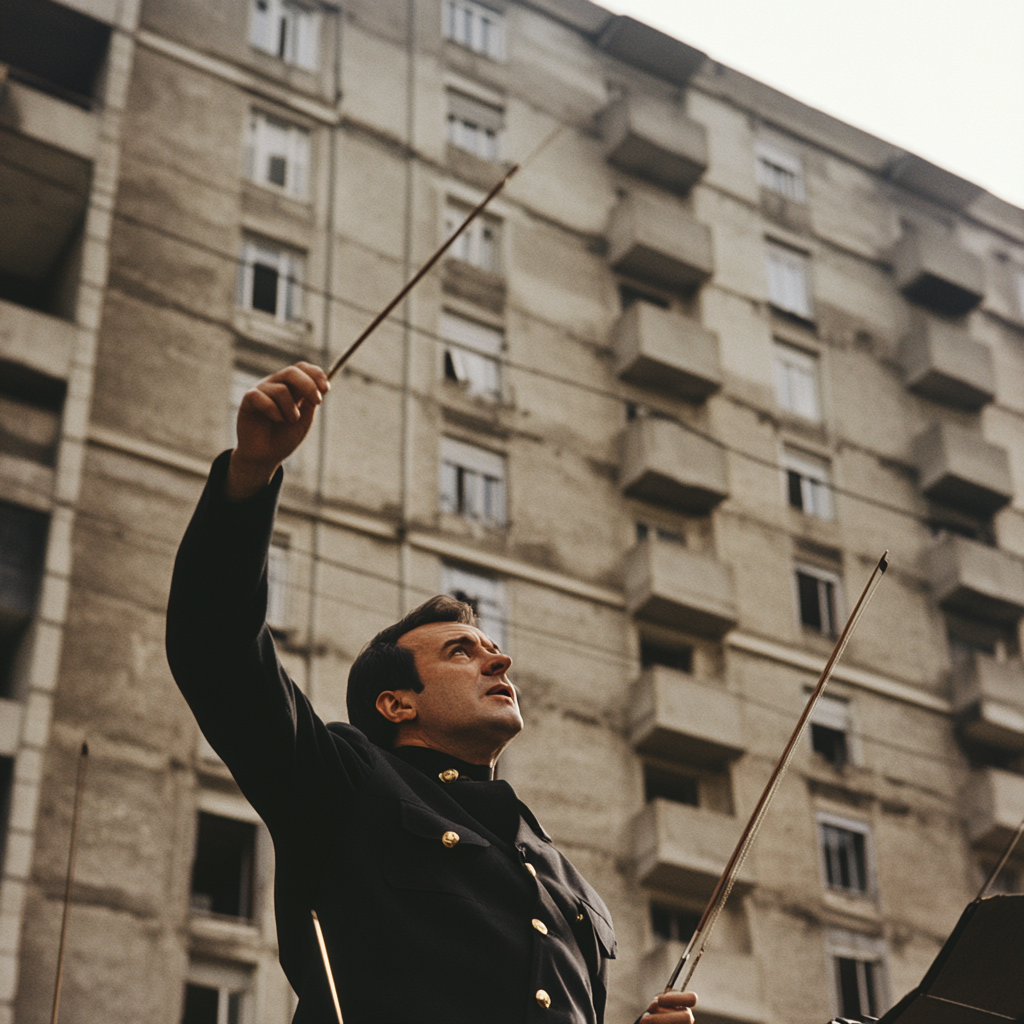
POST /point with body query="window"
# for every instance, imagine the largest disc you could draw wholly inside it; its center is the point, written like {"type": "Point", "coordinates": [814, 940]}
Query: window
{"type": "Point", "coordinates": [830, 729]}
{"type": "Point", "coordinates": [222, 873]}
{"type": "Point", "coordinates": [270, 279]}
{"type": "Point", "coordinates": [277, 153]}
{"type": "Point", "coordinates": [818, 592]}
{"type": "Point", "coordinates": [277, 583]}
{"type": "Point", "coordinates": [780, 171]}
{"type": "Point", "coordinates": [845, 855]}
{"type": "Point", "coordinates": [485, 594]}
{"type": "Point", "coordinates": [30, 413]}
{"type": "Point", "coordinates": [473, 125]}
{"type": "Point", "coordinates": [808, 483]}
{"type": "Point", "coordinates": [661, 783]}
{"type": "Point", "coordinates": [789, 287]}
{"type": "Point", "coordinates": [796, 381]}
{"type": "Point", "coordinates": [475, 26]}
{"type": "Point", "coordinates": [645, 530]}
{"type": "Point", "coordinates": [216, 993]}
{"type": "Point", "coordinates": [672, 923]}
{"type": "Point", "coordinates": [629, 295]}
{"type": "Point", "coordinates": [472, 482]}
{"type": "Point", "coordinates": [857, 985]}
{"type": "Point", "coordinates": [478, 244]}
{"type": "Point", "coordinates": [677, 656]}
{"type": "Point", "coordinates": [473, 356]}
{"type": "Point", "coordinates": [287, 30]}
{"type": "Point", "coordinates": [22, 554]}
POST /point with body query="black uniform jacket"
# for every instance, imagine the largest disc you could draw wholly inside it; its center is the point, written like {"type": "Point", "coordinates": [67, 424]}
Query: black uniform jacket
{"type": "Point", "coordinates": [430, 915]}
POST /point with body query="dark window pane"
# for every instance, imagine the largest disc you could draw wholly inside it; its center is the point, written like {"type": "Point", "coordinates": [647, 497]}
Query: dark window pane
{"type": "Point", "coordinates": [661, 921]}
{"type": "Point", "coordinates": [200, 1005]}
{"type": "Point", "coordinates": [234, 1007]}
{"type": "Point", "coordinates": [680, 658]}
{"type": "Point", "coordinates": [22, 551]}
{"type": "Point", "coordinates": [868, 970]}
{"type": "Point", "coordinates": [849, 990]}
{"type": "Point", "coordinates": [276, 170]}
{"type": "Point", "coordinates": [264, 288]}
{"type": "Point", "coordinates": [222, 872]}
{"type": "Point", "coordinates": [829, 623]}
{"type": "Point", "coordinates": [673, 922]}
{"type": "Point", "coordinates": [830, 743]}
{"type": "Point", "coordinates": [660, 783]}
{"type": "Point", "coordinates": [810, 604]}
{"type": "Point", "coordinates": [796, 495]}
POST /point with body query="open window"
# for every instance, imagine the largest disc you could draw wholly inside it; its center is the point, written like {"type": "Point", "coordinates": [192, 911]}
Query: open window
{"type": "Point", "coordinates": [224, 865]}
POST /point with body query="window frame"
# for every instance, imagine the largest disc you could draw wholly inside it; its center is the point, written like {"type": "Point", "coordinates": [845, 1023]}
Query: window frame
{"type": "Point", "coordinates": [816, 487]}
{"type": "Point", "coordinates": [300, 46]}
{"type": "Point", "coordinates": [474, 125]}
{"type": "Point", "coordinates": [835, 713]}
{"type": "Point", "coordinates": [770, 159]}
{"type": "Point", "coordinates": [487, 593]}
{"type": "Point", "coordinates": [259, 150]}
{"type": "Point", "coordinates": [478, 38]}
{"type": "Point", "coordinates": [227, 979]}
{"type": "Point", "coordinates": [790, 399]}
{"type": "Point", "coordinates": [841, 944]}
{"type": "Point", "coordinates": [475, 351]}
{"type": "Point", "coordinates": [290, 268]}
{"type": "Point", "coordinates": [790, 289]}
{"type": "Point", "coordinates": [828, 577]}
{"type": "Point", "coordinates": [468, 497]}
{"type": "Point", "coordinates": [825, 820]}
{"type": "Point", "coordinates": [480, 244]}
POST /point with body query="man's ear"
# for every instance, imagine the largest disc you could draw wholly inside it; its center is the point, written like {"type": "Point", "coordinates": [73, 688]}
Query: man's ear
{"type": "Point", "coordinates": [397, 705]}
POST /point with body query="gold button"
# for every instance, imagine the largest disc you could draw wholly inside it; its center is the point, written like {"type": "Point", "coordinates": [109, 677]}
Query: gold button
{"type": "Point", "coordinates": [579, 917]}
{"type": "Point", "coordinates": [450, 839]}
{"type": "Point", "coordinates": [532, 870]}
{"type": "Point", "coordinates": [449, 775]}
{"type": "Point", "coordinates": [543, 999]}
{"type": "Point", "coordinates": [539, 925]}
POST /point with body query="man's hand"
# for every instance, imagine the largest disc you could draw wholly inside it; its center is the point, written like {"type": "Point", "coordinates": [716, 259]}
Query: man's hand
{"type": "Point", "coordinates": [273, 420]}
{"type": "Point", "coordinates": [671, 1008]}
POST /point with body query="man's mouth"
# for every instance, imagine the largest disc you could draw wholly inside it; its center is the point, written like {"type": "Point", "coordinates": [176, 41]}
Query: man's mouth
{"type": "Point", "coordinates": [502, 690]}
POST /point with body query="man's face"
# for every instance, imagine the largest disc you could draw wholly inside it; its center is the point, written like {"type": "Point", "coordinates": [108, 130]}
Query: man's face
{"type": "Point", "coordinates": [467, 699]}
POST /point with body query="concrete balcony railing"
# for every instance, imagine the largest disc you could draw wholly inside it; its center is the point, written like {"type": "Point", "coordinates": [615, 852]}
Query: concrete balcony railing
{"type": "Point", "coordinates": [657, 240]}
{"type": "Point", "coordinates": [988, 698]}
{"type": "Point", "coordinates": [941, 362]}
{"type": "Point", "coordinates": [670, 151]}
{"type": "Point", "coordinates": [683, 848]}
{"type": "Point", "coordinates": [670, 586]}
{"type": "Point", "coordinates": [976, 580]}
{"type": "Point", "coordinates": [674, 717]}
{"type": "Point", "coordinates": [658, 349]}
{"type": "Point", "coordinates": [994, 805]}
{"type": "Point", "coordinates": [931, 268]}
{"type": "Point", "coordinates": [959, 467]}
{"type": "Point", "coordinates": [729, 983]}
{"type": "Point", "coordinates": [38, 341]}
{"type": "Point", "coordinates": [664, 463]}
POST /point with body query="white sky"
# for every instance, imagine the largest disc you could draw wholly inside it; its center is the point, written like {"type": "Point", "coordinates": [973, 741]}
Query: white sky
{"type": "Point", "coordinates": [941, 78]}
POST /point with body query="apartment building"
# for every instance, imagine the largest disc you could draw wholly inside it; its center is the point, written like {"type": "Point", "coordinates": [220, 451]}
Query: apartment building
{"type": "Point", "coordinates": [657, 414]}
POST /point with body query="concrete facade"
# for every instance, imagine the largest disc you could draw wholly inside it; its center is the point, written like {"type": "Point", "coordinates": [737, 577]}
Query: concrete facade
{"type": "Point", "coordinates": [709, 354]}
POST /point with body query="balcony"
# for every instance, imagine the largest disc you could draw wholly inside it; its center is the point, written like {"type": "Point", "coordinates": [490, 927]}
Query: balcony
{"type": "Point", "coordinates": [670, 586]}
{"type": "Point", "coordinates": [655, 348]}
{"type": "Point", "coordinates": [959, 467]}
{"type": "Point", "coordinates": [988, 698]}
{"type": "Point", "coordinates": [994, 805]}
{"type": "Point", "coordinates": [34, 340]}
{"type": "Point", "coordinates": [657, 240]}
{"type": "Point", "coordinates": [674, 717]}
{"type": "Point", "coordinates": [941, 362]}
{"type": "Point", "coordinates": [671, 151]}
{"type": "Point", "coordinates": [930, 268]}
{"type": "Point", "coordinates": [729, 983]}
{"type": "Point", "coordinates": [664, 463]}
{"type": "Point", "coordinates": [684, 848]}
{"type": "Point", "coordinates": [976, 580]}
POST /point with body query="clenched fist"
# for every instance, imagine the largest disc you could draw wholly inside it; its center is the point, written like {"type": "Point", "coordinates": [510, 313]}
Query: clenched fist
{"type": "Point", "coordinates": [273, 420]}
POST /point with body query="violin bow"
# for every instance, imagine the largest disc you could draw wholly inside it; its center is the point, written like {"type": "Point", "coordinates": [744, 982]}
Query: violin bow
{"type": "Point", "coordinates": [83, 766]}
{"type": "Point", "coordinates": [699, 939]}
{"type": "Point", "coordinates": [327, 965]}
{"type": "Point", "coordinates": [1001, 863]}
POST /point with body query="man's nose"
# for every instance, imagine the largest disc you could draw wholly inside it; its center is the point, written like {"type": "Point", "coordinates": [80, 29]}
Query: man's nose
{"type": "Point", "coordinates": [497, 664]}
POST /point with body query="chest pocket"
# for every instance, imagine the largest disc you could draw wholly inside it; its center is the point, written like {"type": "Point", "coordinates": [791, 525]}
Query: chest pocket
{"type": "Point", "coordinates": [431, 853]}
{"type": "Point", "coordinates": [604, 934]}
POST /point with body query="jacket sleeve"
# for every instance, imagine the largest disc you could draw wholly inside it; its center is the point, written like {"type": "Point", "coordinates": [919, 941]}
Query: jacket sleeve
{"type": "Point", "coordinates": [221, 653]}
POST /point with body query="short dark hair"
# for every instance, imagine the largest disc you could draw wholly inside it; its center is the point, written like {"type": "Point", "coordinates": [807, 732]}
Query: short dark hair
{"type": "Point", "coordinates": [383, 665]}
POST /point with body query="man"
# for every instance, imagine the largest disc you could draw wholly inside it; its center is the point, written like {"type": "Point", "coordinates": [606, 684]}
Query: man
{"type": "Point", "coordinates": [441, 897]}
